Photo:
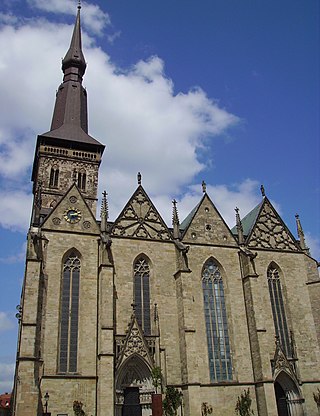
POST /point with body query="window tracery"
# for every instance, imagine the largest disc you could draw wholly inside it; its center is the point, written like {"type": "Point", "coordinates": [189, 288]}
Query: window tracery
{"type": "Point", "coordinates": [219, 353]}
{"type": "Point", "coordinates": [69, 314]}
{"type": "Point", "coordinates": [278, 310]}
{"type": "Point", "coordinates": [142, 294]}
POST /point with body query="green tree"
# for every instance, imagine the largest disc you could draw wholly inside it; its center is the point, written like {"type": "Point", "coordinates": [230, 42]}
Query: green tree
{"type": "Point", "coordinates": [156, 377]}
{"type": "Point", "coordinates": [243, 406]}
{"type": "Point", "coordinates": [172, 401]}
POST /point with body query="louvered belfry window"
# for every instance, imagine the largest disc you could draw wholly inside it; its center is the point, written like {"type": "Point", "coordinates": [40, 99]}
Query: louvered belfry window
{"type": "Point", "coordinates": [54, 177]}
{"type": "Point", "coordinates": [69, 315]}
{"type": "Point", "coordinates": [219, 354]}
{"type": "Point", "coordinates": [142, 294]}
{"type": "Point", "coordinates": [278, 311]}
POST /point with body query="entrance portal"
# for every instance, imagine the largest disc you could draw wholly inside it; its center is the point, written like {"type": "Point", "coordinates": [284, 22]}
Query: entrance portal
{"type": "Point", "coordinates": [134, 388]}
{"type": "Point", "coordinates": [131, 404]}
{"type": "Point", "coordinates": [288, 396]}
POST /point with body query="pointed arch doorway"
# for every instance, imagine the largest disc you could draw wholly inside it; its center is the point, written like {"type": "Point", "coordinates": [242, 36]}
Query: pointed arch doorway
{"type": "Point", "coordinates": [288, 396]}
{"type": "Point", "coordinates": [134, 388]}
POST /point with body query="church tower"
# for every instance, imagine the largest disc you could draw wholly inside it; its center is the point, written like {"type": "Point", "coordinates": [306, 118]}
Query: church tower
{"type": "Point", "coordinates": [63, 228]}
{"type": "Point", "coordinates": [67, 154]}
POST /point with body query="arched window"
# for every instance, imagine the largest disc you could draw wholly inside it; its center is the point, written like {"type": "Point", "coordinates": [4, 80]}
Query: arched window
{"type": "Point", "coordinates": [219, 354]}
{"type": "Point", "coordinates": [54, 177]}
{"type": "Point", "coordinates": [278, 311]}
{"type": "Point", "coordinates": [69, 314]}
{"type": "Point", "coordinates": [142, 294]}
{"type": "Point", "coordinates": [82, 178]}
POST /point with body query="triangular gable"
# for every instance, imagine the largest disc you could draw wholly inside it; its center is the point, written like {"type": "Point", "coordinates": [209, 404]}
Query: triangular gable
{"type": "Point", "coordinates": [269, 231]}
{"type": "Point", "coordinates": [72, 214]}
{"type": "Point", "coordinates": [206, 225]}
{"type": "Point", "coordinates": [134, 344]}
{"type": "Point", "coordinates": [281, 363]}
{"type": "Point", "coordinates": [140, 219]}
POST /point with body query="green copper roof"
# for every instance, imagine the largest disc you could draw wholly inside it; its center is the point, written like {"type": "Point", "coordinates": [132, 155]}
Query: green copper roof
{"type": "Point", "coordinates": [248, 221]}
{"type": "Point", "coordinates": [188, 219]}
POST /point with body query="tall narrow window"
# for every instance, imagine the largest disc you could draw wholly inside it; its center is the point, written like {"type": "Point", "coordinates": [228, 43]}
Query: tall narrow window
{"type": "Point", "coordinates": [69, 314]}
{"type": "Point", "coordinates": [82, 178]}
{"type": "Point", "coordinates": [54, 177]}
{"type": "Point", "coordinates": [278, 311]}
{"type": "Point", "coordinates": [142, 294]}
{"type": "Point", "coordinates": [220, 365]}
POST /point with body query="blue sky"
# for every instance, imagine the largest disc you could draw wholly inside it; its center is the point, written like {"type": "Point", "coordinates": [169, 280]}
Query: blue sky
{"type": "Point", "coordinates": [221, 90]}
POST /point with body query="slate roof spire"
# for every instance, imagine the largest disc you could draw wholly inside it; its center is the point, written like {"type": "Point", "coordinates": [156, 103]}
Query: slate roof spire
{"type": "Point", "coordinates": [74, 64]}
{"type": "Point", "coordinates": [70, 116]}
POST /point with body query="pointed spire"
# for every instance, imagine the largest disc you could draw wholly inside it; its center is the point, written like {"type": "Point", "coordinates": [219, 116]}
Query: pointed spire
{"type": "Point", "coordinates": [74, 64]}
{"type": "Point", "coordinates": [104, 212]}
{"type": "Point", "coordinates": [300, 232]}
{"type": "Point", "coordinates": [204, 187]}
{"type": "Point", "coordinates": [175, 220]}
{"type": "Point", "coordinates": [239, 227]}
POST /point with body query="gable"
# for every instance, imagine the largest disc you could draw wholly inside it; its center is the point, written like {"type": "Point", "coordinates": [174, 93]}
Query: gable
{"type": "Point", "coordinates": [205, 225]}
{"type": "Point", "coordinates": [140, 219]}
{"type": "Point", "coordinates": [269, 231]}
{"type": "Point", "coordinates": [72, 214]}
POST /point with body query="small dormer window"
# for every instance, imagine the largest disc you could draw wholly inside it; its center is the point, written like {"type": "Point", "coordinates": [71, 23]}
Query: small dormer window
{"type": "Point", "coordinates": [54, 177]}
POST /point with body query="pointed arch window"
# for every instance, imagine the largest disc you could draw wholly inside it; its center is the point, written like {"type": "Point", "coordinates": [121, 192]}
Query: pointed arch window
{"type": "Point", "coordinates": [54, 177]}
{"type": "Point", "coordinates": [69, 314]}
{"type": "Point", "coordinates": [219, 354]}
{"type": "Point", "coordinates": [142, 294]}
{"type": "Point", "coordinates": [278, 311]}
{"type": "Point", "coordinates": [82, 179]}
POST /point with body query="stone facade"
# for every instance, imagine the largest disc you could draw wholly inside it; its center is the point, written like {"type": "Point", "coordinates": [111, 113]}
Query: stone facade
{"type": "Point", "coordinates": [94, 326]}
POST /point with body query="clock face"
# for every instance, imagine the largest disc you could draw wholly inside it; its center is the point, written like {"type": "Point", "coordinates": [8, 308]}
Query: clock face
{"type": "Point", "coordinates": [72, 215]}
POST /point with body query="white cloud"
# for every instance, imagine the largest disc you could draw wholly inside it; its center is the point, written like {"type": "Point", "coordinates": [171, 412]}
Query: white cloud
{"type": "Point", "coordinates": [15, 209]}
{"type": "Point", "coordinates": [7, 373]}
{"type": "Point", "coordinates": [17, 257]}
{"type": "Point", "coordinates": [314, 245]}
{"type": "Point", "coordinates": [93, 18]}
{"type": "Point", "coordinates": [5, 322]}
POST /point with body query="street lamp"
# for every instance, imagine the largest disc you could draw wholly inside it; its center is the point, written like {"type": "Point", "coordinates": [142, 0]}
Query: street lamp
{"type": "Point", "coordinates": [46, 398]}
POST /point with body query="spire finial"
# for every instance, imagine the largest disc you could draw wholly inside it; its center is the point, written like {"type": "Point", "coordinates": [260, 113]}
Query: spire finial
{"type": "Point", "coordinates": [79, 4]}
{"type": "Point", "coordinates": [175, 220]}
{"type": "Point", "coordinates": [263, 193]}
{"type": "Point", "coordinates": [204, 187]}
{"type": "Point", "coordinates": [104, 212]}
{"type": "Point", "coordinates": [300, 232]}
{"type": "Point", "coordinates": [139, 178]}
{"type": "Point", "coordinates": [239, 227]}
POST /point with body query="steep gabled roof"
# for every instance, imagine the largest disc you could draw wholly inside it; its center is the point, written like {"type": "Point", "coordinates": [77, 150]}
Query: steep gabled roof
{"type": "Point", "coordinates": [140, 219]}
{"type": "Point", "coordinates": [248, 221]}
{"type": "Point", "coordinates": [205, 225]}
{"type": "Point", "coordinates": [268, 229]}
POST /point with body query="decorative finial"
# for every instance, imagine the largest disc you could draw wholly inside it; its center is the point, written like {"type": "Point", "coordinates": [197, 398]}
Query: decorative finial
{"type": "Point", "coordinates": [175, 220]}
{"type": "Point", "coordinates": [204, 187]}
{"type": "Point", "coordinates": [133, 305]}
{"type": "Point", "coordinates": [79, 4]}
{"type": "Point", "coordinates": [262, 190]}
{"type": "Point", "coordinates": [239, 227]}
{"type": "Point", "coordinates": [300, 232]}
{"type": "Point", "coordinates": [139, 178]}
{"type": "Point", "coordinates": [104, 212]}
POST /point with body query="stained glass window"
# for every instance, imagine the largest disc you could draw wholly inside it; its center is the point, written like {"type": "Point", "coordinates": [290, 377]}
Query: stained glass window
{"type": "Point", "coordinates": [142, 294]}
{"type": "Point", "coordinates": [219, 354]}
{"type": "Point", "coordinates": [69, 314]}
{"type": "Point", "coordinates": [278, 311]}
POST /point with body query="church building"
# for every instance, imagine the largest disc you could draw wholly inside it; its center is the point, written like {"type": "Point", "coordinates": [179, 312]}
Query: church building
{"type": "Point", "coordinates": [105, 305]}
